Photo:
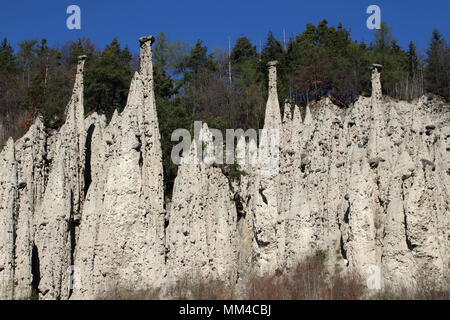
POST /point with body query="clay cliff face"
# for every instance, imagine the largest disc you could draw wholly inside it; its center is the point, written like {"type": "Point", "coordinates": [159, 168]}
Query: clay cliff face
{"type": "Point", "coordinates": [84, 205]}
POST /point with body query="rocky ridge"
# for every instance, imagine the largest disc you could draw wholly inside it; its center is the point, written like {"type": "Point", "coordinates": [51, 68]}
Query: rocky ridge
{"type": "Point", "coordinates": [369, 185]}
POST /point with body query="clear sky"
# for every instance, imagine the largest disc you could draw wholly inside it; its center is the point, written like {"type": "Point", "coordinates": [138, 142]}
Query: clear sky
{"type": "Point", "coordinates": [214, 21]}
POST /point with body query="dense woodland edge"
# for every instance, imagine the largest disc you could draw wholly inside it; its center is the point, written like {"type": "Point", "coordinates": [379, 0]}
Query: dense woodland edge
{"type": "Point", "coordinates": [225, 89]}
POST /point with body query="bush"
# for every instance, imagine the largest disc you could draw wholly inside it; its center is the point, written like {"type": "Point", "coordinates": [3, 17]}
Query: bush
{"type": "Point", "coordinates": [201, 289]}
{"type": "Point", "coordinates": [309, 280]}
{"type": "Point", "coordinates": [116, 292]}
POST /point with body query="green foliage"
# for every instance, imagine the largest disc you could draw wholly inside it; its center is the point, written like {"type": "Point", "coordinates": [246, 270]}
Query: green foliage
{"type": "Point", "coordinates": [82, 47]}
{"type": "Point", "coordinates": [234, 173]}
{"type": "Point", "coordinates": [437, 74]}
{"type": "Point", "coordinates": [108, 80]}
{"type": "Point", "coordinates": [27, 53]}
{"type": "Point", "coordinates": [242, 51]}
{"type": "Point", "coordinates": [321, 255]}
{"type": "Point", "coordinates": [327, 62]}
{"type": "Point", "coordinates": [197, 62]}
{"type": "Point", "coordinates": [172, 114]}
{"type": "Point", "coordinates": [169, 55]}
{"type": "Point", "coordinates": [193, 83]}
{"type": "Point", "coordinates": [394, 60]}
{"type": "Point", "coordinates": [383, 41]}
{"type": "Point", "coordinates": [58, 90]}
{"type": "Point", "coordinates": [9, 68]}
{"type": "Point", "coordinates": [8, 61]}
{"type": "Point", "coordinates": [271, 50]}
{"type": "Point", "coordinates": [413, 60]}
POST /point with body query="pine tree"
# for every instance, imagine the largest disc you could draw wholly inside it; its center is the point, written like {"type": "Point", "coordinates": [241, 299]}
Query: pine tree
{"type": "Point", "coordinates": [413, 61]}
{"type": "Point", "coordinates": [27, 55]}
{"type": "Point", "coordinates": [383, 40]}
{"type": "Point", "coordinates": [199, 61]}
{"type": "Point", "coordinates": [108, 79]}
{"type": "Point", "coordinates": [272, 50]}
{"type": "Point", "coordinates": [437, 70]}
{"type": "Point", "coordinates": [8, 61]}
{"type": "Point", "coordinates": [9, 90]}
{"type": "Point", "coordinates": [83, 46]}
{"type": "Point", "coordinates": [242, 50]}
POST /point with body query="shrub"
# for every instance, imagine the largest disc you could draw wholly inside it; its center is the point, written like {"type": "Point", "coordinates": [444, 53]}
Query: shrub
{"type": "Point", "coordinates": [116, 292]}
{"type": "Point", "coordinates": [198, 288]}
{"type": "Point", "coordinates": [309, 280]}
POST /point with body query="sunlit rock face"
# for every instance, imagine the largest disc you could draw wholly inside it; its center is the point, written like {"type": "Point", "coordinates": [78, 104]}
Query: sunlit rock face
{"type": "Point", "coordinates": [201, 236]}
{"type": "Point", "coordinates": [82, 208]}
{"type": "Point", "coordinates": [368, 184]}
{"type": "Point", "coordinates": [121, 239]}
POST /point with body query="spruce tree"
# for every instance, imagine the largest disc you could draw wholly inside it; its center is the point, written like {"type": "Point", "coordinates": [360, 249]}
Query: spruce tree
{"type": "Point", "coordinates": [437, 70]}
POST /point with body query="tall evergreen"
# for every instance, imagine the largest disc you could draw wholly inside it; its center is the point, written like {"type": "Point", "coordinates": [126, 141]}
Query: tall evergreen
{"type": "Point", "coordinates": [438, 65]}
{"type": "Point", "coordinates": [191, 83]}
{"type": "Point", "coordinates": [108, 79]}
{"type": "Point", "coordinates": [8, 61]}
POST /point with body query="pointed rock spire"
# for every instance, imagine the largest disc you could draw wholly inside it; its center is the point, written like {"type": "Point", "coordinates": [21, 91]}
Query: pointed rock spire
{"type": "Point", "coordinates": [146, 72]}
{"type": "Point", "coordinates": [146, 56]}
{"type": "Point", "coordinates": [297, 128]}
{"type": "Point", "coordinates": [287, 115]}
{"type": "Point", "coordinates": [297, 117]}
{"type": "Point", "coordinates": [63, 199]}
{"type": "Point", "coordinates": [152, 158]}
{"type": "Point", "coordinates": [207, 139]}
{"type": "Point", "coordinates": [397, 259]}
{"type": "Point", "coordinates": [273, 115]}
{"type": "Point", "coordinates": [287, 127]}
{"type": "Point", "coordinates": [8, 185]}
{"type": "Point", "coordinates": [376, 82]}
{"type": "Point", "coordinates": [75, 107]}
{"type": "Point", "coordinates": [308, 117]}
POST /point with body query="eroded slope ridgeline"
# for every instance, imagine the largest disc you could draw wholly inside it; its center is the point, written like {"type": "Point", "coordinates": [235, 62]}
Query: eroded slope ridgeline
{"type": "Point", "coordinates": [368, 184]}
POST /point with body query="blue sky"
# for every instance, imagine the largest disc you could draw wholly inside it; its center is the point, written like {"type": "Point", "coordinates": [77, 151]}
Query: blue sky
{"type": "Point", "coordinates": [214, 21]}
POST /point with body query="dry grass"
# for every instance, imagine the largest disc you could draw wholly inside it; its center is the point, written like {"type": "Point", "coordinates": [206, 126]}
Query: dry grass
{"type": "Point", "coordinates": [309, 280]}
{"type": "Point", "coordinates": [116, 292]}
{"type": "Point", "coordinates": [201, 289]}
{"type": "Point", "coordinates": [424, 290]}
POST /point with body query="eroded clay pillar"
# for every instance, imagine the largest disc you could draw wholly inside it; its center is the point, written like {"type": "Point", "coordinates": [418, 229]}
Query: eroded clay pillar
{"type": "Point", "coordinates": [376, 82]}
{"type": "Point", "coordinates": [146, 69]}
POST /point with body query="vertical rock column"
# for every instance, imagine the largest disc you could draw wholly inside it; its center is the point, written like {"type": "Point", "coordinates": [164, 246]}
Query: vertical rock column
{"type": "Point", "coordinates": [286, 183]}
{"type": "Point", "coordinates": [377, 126]}
{"type": "Point", "coordinates": [61, 205]}
{"type": "Point", "coordinates": [359, 224]}
{"type": "Point", "coordinates": [81, 132]}
{"type": "Point", "coordinates": [129, 240]}
{"type": "Point", "coordinates": [266, 187]}
{"type": "Point", "coordinates": [32, 170]}
{"type": "Point", "coordinates": [2, 132]}
{"type": "Point", "coordinates": [364, 189]}
{"type": "Point", "coordinates": [202, 234]}
{"type": "Point", "coordinates": [85, 251]}
{"type": "Point", "coordinates": [152, 169]}
{"type": "Point", "coordinates": [376, 83]}
{"type": "Point", "coordinates": [8, 195]}
{"type": "Point", "coordinates": [398, 266]}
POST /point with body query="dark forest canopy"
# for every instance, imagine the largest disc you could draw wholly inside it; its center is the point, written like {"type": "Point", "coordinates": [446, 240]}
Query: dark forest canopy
{"type": "Point", "coordinates": [191, 83]}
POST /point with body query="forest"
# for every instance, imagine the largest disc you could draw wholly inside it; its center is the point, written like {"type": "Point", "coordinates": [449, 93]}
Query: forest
{"type": "Point", "coordinates": [227, 89]}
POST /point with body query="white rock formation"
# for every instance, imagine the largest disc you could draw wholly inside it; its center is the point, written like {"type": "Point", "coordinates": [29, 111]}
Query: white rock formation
{"type": "Point", "coordinates": [8, 193]}
{"type": "Point", "coordinates": [265, 192]}
{"type": "Point", "coordinates": [368, 184]}
{"type": "Point", "coordinates": [60, 210]}
{"type": "Point", "coordinates": [121, 242]}
{"type": "Point", "coordinates": [32, 173]}
{"type": "Point", "coordinates": [201, 236]}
